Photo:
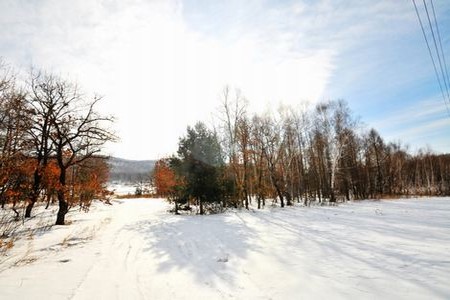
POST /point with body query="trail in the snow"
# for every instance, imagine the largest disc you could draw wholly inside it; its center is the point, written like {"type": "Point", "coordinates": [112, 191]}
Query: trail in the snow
{"type": "Point", "coordinates": [121, 262]}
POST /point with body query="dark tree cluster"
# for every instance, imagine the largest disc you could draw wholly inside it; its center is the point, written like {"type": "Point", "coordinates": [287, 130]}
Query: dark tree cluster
{"type": "Point", "coordinates": [197, 170]}
{"type": "Point", "coordinates": [50, 138]}
{"type": "Point", "coordinates": [320, 155]}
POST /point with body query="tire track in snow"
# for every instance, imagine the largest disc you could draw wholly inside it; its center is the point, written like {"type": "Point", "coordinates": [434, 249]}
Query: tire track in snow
{"type": "Point", "coordinates": [118, 265]}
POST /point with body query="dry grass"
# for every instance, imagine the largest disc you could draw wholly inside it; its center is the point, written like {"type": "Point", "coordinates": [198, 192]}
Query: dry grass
{"type": "Point", "coordinates": [6, 245]}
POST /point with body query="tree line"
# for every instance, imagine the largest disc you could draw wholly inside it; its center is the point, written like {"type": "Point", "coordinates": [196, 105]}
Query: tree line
{"type": "Point", "coordinates": [321, 155]}
{"type": "Point", "coordinates": [50, 138]}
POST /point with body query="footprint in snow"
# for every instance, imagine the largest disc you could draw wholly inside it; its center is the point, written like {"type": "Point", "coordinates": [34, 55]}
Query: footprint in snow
{"type": "Point", "coordinates": [223, 259]}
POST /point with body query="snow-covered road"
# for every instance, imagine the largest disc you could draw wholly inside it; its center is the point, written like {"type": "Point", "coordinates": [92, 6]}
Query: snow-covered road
{"type": "Point", "coordinates": [137, 250]}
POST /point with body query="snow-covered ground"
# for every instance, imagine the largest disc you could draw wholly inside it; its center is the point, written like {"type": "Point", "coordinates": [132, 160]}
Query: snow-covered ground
{"type": "Point", "coordinates": [121, 189]}
{"type": "Point", "coordinates": [135, 249]}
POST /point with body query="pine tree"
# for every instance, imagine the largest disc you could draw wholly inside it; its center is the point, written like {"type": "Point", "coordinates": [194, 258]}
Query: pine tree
{"type": "Point", "coordinates": [201, 165]}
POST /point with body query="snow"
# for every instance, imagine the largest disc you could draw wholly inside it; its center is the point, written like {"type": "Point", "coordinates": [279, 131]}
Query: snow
{"type": "Point", "coordinates": [135, 249]}
{"type": "Point", "coordinates": [121, 189]}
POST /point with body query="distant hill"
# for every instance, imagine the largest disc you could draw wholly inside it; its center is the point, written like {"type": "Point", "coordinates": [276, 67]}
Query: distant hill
{"type": "Point", "coordinates": [126, 170]}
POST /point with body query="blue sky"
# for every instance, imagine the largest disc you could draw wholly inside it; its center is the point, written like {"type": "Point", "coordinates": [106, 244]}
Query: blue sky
{"type": "Point", "coordinates": [162, 65]}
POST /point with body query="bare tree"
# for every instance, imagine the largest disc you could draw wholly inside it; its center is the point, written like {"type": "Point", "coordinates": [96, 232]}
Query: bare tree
{"type": "Point", "coordinates": [70, 127]}
{"type": "Point", "coordinates": [272, 148]}
{"type": "Point", "coordinates": [46, 100]}
{"type": "Point", "coordinates": [235, 128]}
{"type": "Point", "coordinates": [243, 136]}
{"type": "Point", "coordinates": [259, 164]}
{"type": "Point", "coordinates": [14, 121]}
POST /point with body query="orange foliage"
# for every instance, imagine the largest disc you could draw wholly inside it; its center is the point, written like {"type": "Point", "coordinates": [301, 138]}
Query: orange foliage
{"type": "Point", "coordinates": [88, 181]}
{"type": "Point", "coordinates": [15, 179]}
{"type": "Point", "coordinates": [51, 176]}
{"type": "Point", "coordinates": [164, 178]}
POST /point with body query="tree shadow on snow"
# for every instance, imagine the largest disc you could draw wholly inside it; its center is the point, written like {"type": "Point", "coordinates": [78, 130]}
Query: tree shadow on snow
{"type": "Point", "coordinates": [372, 244]}
{"type": "Point", "coordinates": [210, 247]}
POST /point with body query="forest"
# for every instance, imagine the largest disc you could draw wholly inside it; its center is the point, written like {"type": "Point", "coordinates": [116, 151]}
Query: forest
{"type": "Point", "coordinates": [322, 154]}
{"type": "Point", "coordinates": [51, 140]}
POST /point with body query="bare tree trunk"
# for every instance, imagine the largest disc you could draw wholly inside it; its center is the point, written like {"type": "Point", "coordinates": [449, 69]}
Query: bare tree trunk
{"type": "Point", "coordinates": [63, 209]}
{"type": "Point", "coordinates": [15, 211]}
{"type": "Point", "coordinates": [279, 192]}
{"type": "Point", "coordinates": [49, 198]}
{"type": "Point", "coordinates": [201, 206]}
{"type": "Point", "coordinates": [29, 208]}
{"type": "Point", "coordinates": [176, 207]}
{"type": "Point", "coordinates": [35, 192]}
{"type": "Point", "coordinates": [63, 205]}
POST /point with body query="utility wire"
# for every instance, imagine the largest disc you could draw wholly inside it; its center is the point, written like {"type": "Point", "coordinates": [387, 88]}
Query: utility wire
{"type": "Point", "coordinates": [437, 49]}
{"type": "Point", "coordinates": [431, 56]}
{"type": "Point", "coordinates": [440, 43]}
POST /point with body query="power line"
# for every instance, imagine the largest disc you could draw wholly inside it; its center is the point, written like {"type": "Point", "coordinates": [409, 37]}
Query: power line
{"type": "Point", "coordinates": [440, 42]}
{"type": "Point", "coordinates": [431, 56]}
{"type": "Point", "coordinates": [437, 49]}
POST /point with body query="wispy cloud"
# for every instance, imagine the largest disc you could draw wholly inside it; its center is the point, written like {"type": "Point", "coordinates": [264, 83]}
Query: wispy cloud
{"type": "Point", "coordinates": [424, 123]}
{"type": "Point", "coordinates": [154, 68]}
{"type": "Point", "coordinates": [162, 64]}
{"type": "Point", "coordinates": [422, 111]}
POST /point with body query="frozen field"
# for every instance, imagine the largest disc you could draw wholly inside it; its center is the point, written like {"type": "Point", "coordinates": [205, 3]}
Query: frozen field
{"type": "Point", "coordinates": [135, 249]}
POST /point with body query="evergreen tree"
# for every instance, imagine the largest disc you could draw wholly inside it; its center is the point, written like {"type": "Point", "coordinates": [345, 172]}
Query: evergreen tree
{"type": "Point", "coordinates": [201, 165]}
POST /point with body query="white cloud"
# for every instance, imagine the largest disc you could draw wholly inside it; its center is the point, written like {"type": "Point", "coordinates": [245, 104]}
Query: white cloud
{"type": "Point", "coordinates": [162, 65]}
{"type": "Point", "coordinates": [157, 74]}
{"type": "Point", "coordinates": [423, 123]}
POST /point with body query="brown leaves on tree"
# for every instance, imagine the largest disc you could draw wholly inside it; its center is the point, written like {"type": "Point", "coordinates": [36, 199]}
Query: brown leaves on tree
{"type": "Point", "coordinates": [164, 178]}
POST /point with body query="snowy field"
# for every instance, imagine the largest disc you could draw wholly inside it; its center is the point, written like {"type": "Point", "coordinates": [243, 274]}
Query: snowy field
{"type": "Point", "coordinates": [121, 189]}
{"type": "Point", "coordinates": [135, 249]}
